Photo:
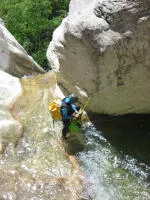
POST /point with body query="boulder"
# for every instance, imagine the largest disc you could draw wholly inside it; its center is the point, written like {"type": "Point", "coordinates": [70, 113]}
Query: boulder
{"type": "Point", "coordinates": [15, 61]}
{"type": "Point", "coordinates": [101, 50]}
{"type": "Point", "coordinates": [10, 129]}
{"type": "Point", "coordinates": [13, 58]}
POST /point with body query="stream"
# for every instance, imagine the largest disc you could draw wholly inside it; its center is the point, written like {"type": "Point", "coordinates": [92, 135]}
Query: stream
{"type": "Point", "coordinates": [113, 156]}
{"type": "Point", "coordinates": [113, 166]}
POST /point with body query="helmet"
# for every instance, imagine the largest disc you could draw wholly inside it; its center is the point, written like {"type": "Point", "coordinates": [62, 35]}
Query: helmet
{"type": "Point", "coordinates": [73, 98]}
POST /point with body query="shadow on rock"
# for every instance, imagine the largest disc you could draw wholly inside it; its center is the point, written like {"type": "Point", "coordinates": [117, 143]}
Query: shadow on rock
{"type": "Point", "coordinates": [129, 134]}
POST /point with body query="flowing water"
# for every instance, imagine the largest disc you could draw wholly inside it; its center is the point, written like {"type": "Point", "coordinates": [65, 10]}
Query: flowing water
{"type": "Point", "coordinates": [116, 161]}
{"type": "Point", "coordinates": [37, 168]}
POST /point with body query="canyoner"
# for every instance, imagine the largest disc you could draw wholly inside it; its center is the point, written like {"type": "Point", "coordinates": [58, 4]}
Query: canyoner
{"type": "Point", "coordinates": [66, 111]}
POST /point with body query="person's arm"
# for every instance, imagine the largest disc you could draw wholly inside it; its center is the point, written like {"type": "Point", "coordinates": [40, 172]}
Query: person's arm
{"type": "Point", "coordinates": [67, 100]}
{"type": "Point", "coordinates": [64, 113]}
{"type": "Point", "coordinates": [74, 107]}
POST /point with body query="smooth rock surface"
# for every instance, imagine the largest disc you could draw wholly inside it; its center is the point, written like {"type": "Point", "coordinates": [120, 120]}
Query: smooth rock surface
{"type": "Point", "coordinates": [10, 129]}
{"type": "Point", "coordinates": [17, 63]}
{"type": "Point", "coordinates": [13, 58]}
{"type": "Point", "coordinates": [102, 49]}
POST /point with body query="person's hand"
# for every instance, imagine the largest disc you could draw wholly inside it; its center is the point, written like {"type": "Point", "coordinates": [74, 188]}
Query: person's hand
{"type": "Point", "coordinates": [76, 116]}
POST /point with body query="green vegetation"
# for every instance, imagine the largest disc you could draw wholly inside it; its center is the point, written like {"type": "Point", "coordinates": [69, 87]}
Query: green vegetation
{"type": "Point", "coordinates": [32, 22]}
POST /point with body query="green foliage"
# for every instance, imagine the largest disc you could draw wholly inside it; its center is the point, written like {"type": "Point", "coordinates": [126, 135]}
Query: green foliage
{"type": "Point", "coordinates": [32, 22]}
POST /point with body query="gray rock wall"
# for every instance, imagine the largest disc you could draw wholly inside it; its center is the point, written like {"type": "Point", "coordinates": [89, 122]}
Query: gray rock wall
{"type": "Point", "coordinates": [102, 49]}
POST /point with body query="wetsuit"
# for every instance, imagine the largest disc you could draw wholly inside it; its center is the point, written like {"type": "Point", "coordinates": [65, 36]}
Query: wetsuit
{"type": "Point", "coordinates": [67, 109]}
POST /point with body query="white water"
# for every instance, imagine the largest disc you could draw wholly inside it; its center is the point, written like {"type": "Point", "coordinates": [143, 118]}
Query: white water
{"type": "Point", "coordinates": [110, 174]}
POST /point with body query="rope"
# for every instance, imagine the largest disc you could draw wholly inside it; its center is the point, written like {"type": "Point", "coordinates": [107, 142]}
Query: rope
{"type": "Point", "coordinates": [55, 77]}
{"type": "Point", "coordinates": [67, 155]}
{"type": "Point", "coordinates": [89, 99]}
{"type": "Point", "coordinates": [79, 172]}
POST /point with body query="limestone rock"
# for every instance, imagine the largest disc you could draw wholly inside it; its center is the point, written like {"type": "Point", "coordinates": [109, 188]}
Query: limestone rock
{"type": "Point", "coordinates": [13, 58]}
{"type": "Point", "coordinates": [102, 49]}
{"type": "Point", "coordinates": [10, 129]}
{"type": "Point", "coordinates": [15, 61]}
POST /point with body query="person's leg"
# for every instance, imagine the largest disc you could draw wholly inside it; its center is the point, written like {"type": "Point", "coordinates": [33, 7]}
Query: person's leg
{"type": "Point", "coordinates": [65, 128]}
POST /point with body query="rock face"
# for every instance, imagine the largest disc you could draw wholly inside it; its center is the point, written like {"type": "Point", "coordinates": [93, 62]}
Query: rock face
{"type": "Point", "coordinates": [13, 58]}
{"type": "Point", "coordinates": [10, 129]}
{"type": "Point", "coordinates": [15, 61]}
{"type": "Point", "coordinates": [102, 49]}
